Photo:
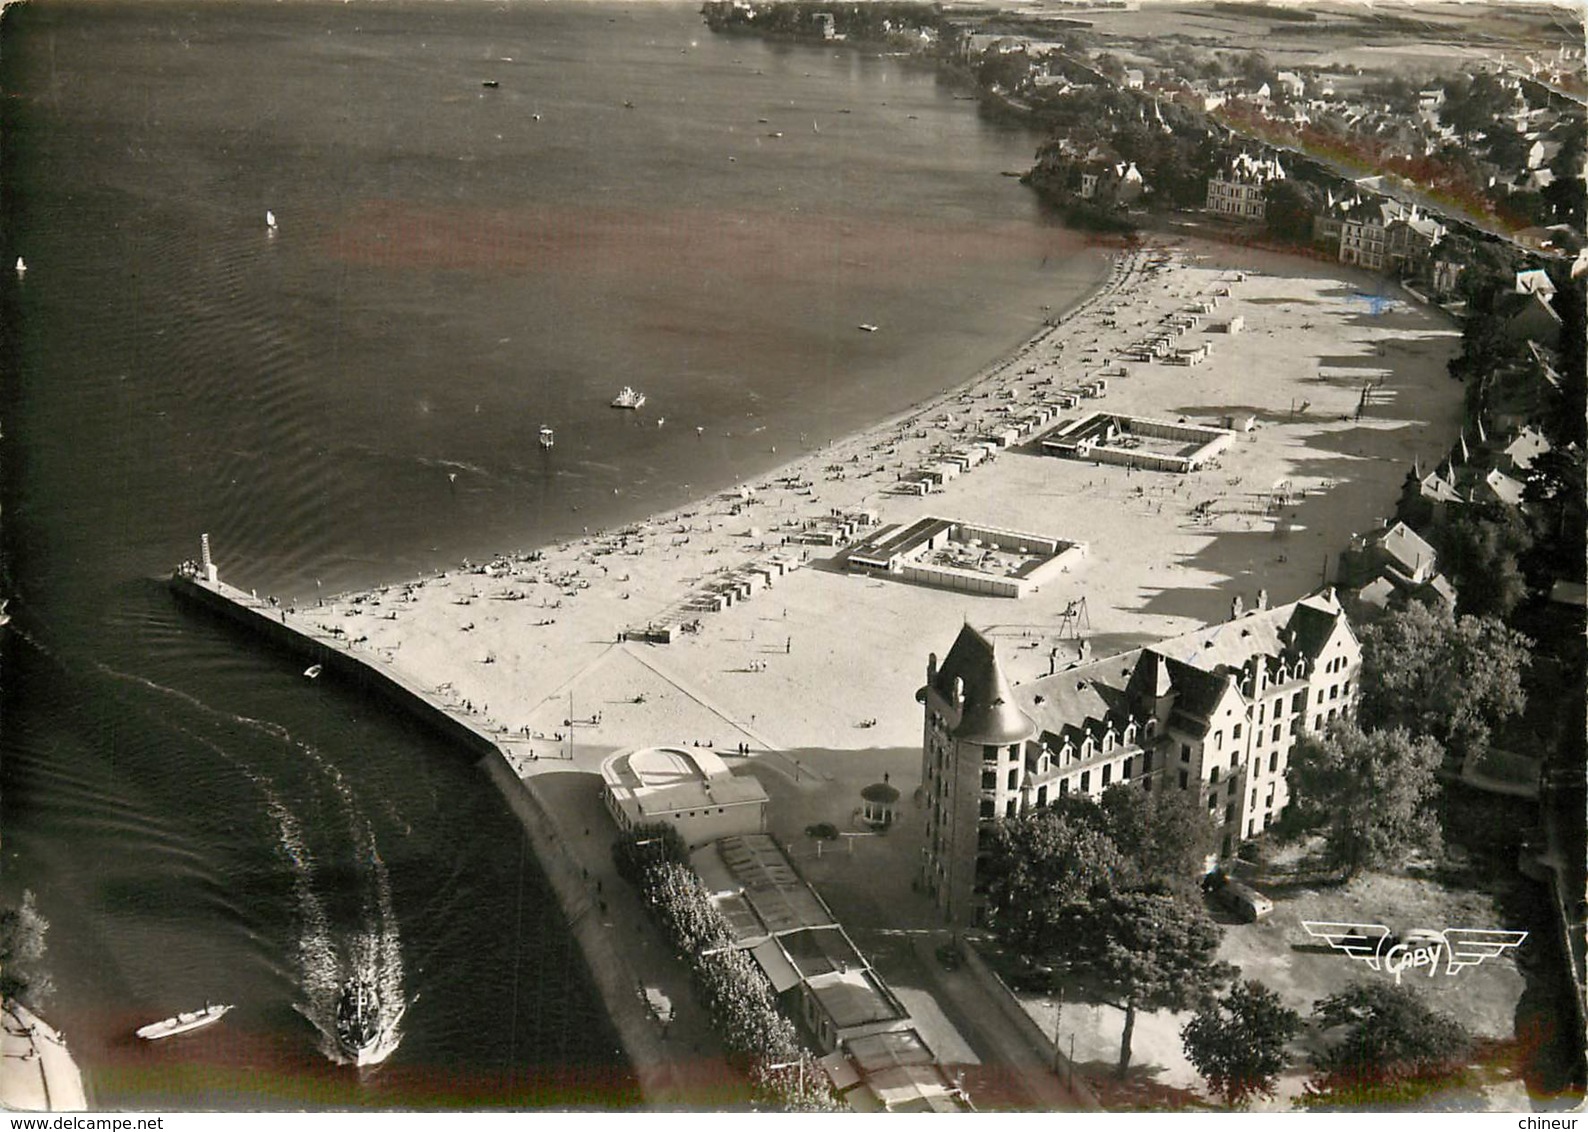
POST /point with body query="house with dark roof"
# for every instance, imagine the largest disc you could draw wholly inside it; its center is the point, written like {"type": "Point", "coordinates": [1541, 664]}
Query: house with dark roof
{"type": "Point", "coordinates": [1214, 711]}
{"type": "Point", "coordinates": [1528, 317]}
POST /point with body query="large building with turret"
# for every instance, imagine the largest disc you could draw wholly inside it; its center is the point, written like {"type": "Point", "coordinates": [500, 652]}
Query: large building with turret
{"type": "Point", "coordinates": [1213, 711]}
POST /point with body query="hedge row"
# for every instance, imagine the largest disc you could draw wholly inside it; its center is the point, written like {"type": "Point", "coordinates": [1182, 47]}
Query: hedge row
{"type": "Point", "coordinates": [738, 996]}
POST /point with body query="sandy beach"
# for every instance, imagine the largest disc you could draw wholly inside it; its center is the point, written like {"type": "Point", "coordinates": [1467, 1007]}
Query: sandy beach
{"type": "Point", "coordinates": [528, 645]}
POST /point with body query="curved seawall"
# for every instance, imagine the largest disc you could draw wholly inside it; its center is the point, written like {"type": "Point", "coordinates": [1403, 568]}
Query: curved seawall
{"type": "Point", "coordinates": [614, 976]}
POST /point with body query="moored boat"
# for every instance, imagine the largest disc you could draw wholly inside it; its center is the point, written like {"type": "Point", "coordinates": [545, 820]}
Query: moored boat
{"type": "Point", "coordinates": [628, 398]}
{"type": "Point", "coordinates": [182, 1023]}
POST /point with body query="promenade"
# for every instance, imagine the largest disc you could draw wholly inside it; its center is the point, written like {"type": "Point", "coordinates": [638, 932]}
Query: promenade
{"type": "Point", "coordinates": [37, 1072]}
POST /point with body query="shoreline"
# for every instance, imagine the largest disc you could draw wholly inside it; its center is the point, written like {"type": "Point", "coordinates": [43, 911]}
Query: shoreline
{"type": "Point", "coordinates": [547, 619]}
{"type": "Point", "coordinates": [1002, 360]}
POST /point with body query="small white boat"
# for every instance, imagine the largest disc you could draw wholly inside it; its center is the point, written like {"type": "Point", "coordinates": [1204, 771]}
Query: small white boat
{"type": "Point", "coordinates": [22, 267]}
{"type": "Point", "coordinates": [313, 671]}
{"type": "Point", "coordinates": [547, 438]}
{"type": "Point", "coordinates": [270, 220]}
{"type": "Point", "coordinates": [182, 1023]}
{"type": "Point", "coordinates": [628, 398]}
{"type": "Point", "coordinates": [869, 327]}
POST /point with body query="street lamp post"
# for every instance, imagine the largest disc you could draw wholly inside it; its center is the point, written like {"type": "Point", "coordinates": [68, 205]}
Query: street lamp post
{"type": "Point", "coordinates": [1058, 1016]}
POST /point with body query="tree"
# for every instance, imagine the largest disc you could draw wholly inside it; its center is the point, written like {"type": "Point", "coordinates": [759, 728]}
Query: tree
{"type": "Point", "coordinates": [1290, 207]}
{"type": "Point", "coordinates": [1557, 496]}
{"type": "Point", "coordinates": [646, 845]}
{"type": "Point", "coordinates": [1039, 864]}
{"type": "Point", "coordinates": [1238, 1043]}
{"type": "Point", "coordinates": [22, 975]}
{"type": "Point", "coordinates": [1479, 547]}
{"type": "Point", "coordinates": [1455, 680]}
{"type": "Point", "coordinates": [683, 904]}
{"type": "Point", "coordinates": [1473, 104]}
{"type": "Point", "coordinates": [1143, 950]}
{"type": "Point", "coordinates": [1395, 1049]}
{"type": "Point", "coordinates": [1371, 792]}
{"type": "Point", "coordinates": [1164, 834]}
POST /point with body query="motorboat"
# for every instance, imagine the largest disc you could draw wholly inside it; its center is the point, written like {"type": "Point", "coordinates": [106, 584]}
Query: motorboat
{"type": "Point", "coordinates": [489, 84]}
{"type": "Point", "coordinates": [547, 438]}
{"type": "Point", "coordinates": [628, 398]}
{"type": "Point", "coordinates": [869, 327]}
{"type": "Point", "coordinates": [182, 1023]}
{"type": "Point", "coordinates": [358, 1023]}
{"type": "Point", "coordinates": [270, 220]}
{"type": "Point", "coordinates": [22, 267]}
{"type": "Point", "coordinates": [313, 671]}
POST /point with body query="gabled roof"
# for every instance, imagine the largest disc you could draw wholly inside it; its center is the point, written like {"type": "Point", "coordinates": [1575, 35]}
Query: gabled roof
{"type": "Point", "coordinates": [1516, 305]}
{"type": "Point", "coordinates": [1435, 487]}
{"type": "Point", "coordinates": [1503, 488]}
{"type": "Point", "coordinates": [1441, 587]}
{"type": "Point", "coordinates": [1535, 282]}
{"type": "Point", "coordinates": [1311, 626]}
{"type": "Point", "coordinates": [1197, 692]}
{"type": "Point", "coordinates": [990, 714]}
{"type": "Point", "coordinates": [1405, 547]}
{"type": "Point", "coordinates": [1076, 695]}
{"type": "Point", "coordinates": [1525, 447]}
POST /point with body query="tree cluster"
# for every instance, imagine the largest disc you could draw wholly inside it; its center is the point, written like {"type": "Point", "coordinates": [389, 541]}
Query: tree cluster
{"type": "Point", "coordinates": [1105, 893]}
{"type": "Point", "coordinates": [1452, 679]}
{"type": "Point", "coordinates": [22, 973]}
{"type": "Point", "coordinates": [732, 988]}
{"type": "Point", "coordinates": [1394, 1051]}
{"type": "Point", "coordinates": [1371, 793]}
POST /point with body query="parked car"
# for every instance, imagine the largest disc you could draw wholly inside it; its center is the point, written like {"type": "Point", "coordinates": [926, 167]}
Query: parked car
{"type": "Point", "coordinates": [1246, 902]}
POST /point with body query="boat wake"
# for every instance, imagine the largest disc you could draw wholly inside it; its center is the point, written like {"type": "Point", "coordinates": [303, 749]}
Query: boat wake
{"type": "Point", "coordinates": [328, 956]}
{"type": "Point", "coordinates": [371, 954]}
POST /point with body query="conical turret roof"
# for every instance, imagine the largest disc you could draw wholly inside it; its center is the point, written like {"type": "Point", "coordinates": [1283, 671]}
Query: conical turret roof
{"type": "Point", "coordinates": [990, 714]}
